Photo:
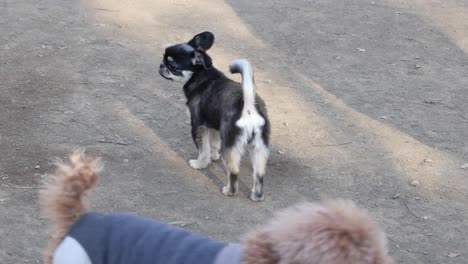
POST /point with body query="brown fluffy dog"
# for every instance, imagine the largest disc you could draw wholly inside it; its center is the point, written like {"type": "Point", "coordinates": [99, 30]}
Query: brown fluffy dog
{"type": "Point", "coordinates": [335, 232]}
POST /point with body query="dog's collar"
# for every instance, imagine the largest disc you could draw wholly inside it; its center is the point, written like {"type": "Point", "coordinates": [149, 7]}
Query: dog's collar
{"type": "Point", "coordinates": [231, 254]}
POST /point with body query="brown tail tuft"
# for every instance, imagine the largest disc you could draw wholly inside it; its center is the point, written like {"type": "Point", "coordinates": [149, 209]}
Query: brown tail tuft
{"type": "Point", "coordinates": [62, 196]}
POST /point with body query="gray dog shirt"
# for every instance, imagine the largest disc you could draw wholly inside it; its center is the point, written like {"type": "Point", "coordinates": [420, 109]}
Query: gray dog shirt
{"type": "Point", "coordinates": [125, 239]}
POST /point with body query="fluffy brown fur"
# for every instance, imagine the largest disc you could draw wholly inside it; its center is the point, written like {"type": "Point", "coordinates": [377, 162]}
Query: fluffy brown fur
{"type": "Point", "coordinates": [334, 232]}
{"type": "Point", "coordinates": [62, 197]}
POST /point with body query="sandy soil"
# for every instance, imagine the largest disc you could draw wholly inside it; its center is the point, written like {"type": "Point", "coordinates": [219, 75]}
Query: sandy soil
{"type": "Point", "coordinates": [364, 97]}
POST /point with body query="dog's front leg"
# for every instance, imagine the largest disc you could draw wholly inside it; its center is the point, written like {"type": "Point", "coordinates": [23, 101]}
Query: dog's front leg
{"type": "Point", "coordinates": [204, 150]}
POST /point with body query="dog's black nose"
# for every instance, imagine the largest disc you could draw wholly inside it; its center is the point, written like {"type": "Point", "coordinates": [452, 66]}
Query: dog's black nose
{"type": "Point", "coordinates": [164, 72]}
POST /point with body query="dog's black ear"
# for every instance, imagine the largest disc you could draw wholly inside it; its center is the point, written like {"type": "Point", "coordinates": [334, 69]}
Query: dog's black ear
{"type": "Point", "coordinates": [201, 58]}
{"type": "Point", "coordinates": [202, 41]}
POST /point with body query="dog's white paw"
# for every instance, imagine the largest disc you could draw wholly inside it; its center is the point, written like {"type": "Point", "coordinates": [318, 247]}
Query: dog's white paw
{"type": "Point", "coordinates": [254, 197]}
{"type": "Point", "coordinates": [214, 155]}
{"type": "Point", "coordinates": [227, 191]}
{"type": "Point", "coordinates": [198, 164]}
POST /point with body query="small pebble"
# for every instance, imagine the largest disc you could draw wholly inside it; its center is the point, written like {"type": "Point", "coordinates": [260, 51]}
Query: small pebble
{"type": "Point", "coordinates": [464, 166]}
{"type": "Point", "coordinates": [281, 152]}
{"type": "Point", "coordinates": [425, 217]}
{"type": "Point", "coordinates": [430, 102]}
{"type": "Point", "coordinates": [453, 254]}
{"type": "Point", "coordinates": [417, 66]}
{"type": "Point", "coordinates": [428, 160]}
{"type": "Point", "coordinates": [37, 167]}
{"type": "Point", "coordinates": [414, 183]}
{"type": "Point", "coordinates": [396, 196]}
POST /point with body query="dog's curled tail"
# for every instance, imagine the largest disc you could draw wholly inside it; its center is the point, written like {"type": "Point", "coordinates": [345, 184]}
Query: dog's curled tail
{"type": "Point", "coordinates": [243, 67]}
{"type": "Point", "coordinates": [62, 196]}
{"type": "Point", "coordinates": [249, 112]}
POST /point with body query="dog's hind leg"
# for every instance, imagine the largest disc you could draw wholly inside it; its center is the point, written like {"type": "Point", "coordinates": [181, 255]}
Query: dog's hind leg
{"type": "Point", "coordinates": [231, 159]}
{"type": "Point", "coordinates": [215, 142]}
{"type": "Point", "coordinates": [204, 154]}
{"type": "Point", "coordinates": [258, 156]}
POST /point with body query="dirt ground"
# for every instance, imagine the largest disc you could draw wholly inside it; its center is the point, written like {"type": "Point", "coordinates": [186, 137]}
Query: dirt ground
{"type": "Point", "coordinates": [364, 97]}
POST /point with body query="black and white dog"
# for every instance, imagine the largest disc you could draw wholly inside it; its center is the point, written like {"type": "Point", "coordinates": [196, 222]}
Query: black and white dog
{"type": "Point", "coordinates": [225, 115]}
